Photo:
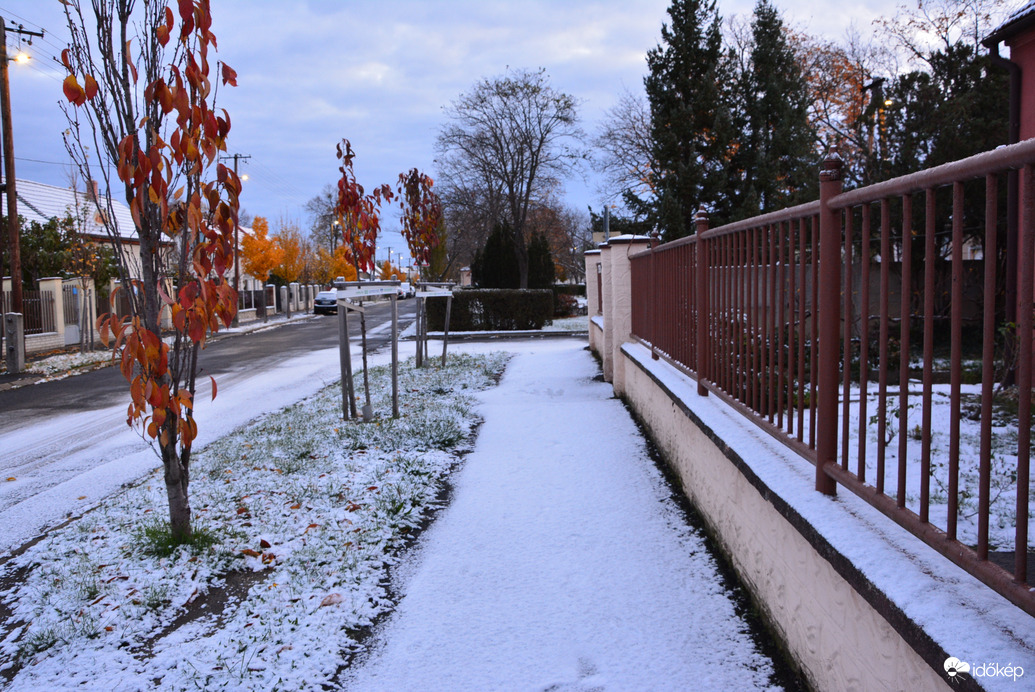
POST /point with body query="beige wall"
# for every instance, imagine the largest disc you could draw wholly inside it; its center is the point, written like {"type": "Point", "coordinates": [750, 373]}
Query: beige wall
{"type": "Point", "coordinates": [839, 641]}
{"type": "Point", "coordinates": [827, 621]}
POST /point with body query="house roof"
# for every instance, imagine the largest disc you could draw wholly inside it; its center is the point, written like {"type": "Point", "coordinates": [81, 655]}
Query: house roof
{"type": "Point", "coordinates": [40, 202]}
{"type": "Point", "coordinates": [1021, 20]}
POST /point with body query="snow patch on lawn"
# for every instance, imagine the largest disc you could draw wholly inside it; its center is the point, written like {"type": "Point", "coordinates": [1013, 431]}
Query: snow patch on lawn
{"type": "Point", "coordinates": [312, 506]}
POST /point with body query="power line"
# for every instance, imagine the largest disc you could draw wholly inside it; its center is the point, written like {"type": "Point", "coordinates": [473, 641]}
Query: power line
{"type": "Point", "coordinates": [49, 163]}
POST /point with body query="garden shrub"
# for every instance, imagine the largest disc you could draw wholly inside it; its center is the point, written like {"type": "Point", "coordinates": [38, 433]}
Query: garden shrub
{"type": "Point", "coordinates": [493, 309]}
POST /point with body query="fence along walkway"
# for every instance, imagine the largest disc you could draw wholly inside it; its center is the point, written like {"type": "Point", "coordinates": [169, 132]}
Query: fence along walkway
{"type": "Point", "coordinates": [776, 315]}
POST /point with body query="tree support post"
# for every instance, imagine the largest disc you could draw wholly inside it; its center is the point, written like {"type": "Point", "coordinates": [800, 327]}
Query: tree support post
{"type": "Point", "coordinates": [395, 356]}
{"type": "Point", "coordinates": [348, 399]}
{"type": "Point", "coordinates": [445, 336]}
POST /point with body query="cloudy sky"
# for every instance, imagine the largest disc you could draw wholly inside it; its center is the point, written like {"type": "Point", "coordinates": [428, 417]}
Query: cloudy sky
{"type": "Point", "coordinates": [378, 72]}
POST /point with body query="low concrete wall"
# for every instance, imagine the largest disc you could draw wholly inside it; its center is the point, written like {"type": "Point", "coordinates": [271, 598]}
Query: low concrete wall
{"type": "Point", "coordinates": [839, 641]}
{"type": "Point", "coordinates": [40, 343]}
{"type": "Point", "coordinates": [858, 603]}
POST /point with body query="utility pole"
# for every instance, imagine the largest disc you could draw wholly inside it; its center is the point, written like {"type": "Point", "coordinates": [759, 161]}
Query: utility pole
{"type": "Point", "coordinates": [237, 239]}
{"type": "Point", "coordinates": [13, 234]}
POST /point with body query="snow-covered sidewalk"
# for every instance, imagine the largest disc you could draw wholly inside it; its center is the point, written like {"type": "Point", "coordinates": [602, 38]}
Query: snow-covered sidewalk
{"type": "Point", "coordinates": [561, 562]}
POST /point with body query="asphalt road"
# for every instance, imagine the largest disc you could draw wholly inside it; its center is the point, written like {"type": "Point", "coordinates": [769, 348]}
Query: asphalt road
{"type": "Point", "coordinates": [227, 358]}
{"type": "Point", "coordinates": [65, 445]}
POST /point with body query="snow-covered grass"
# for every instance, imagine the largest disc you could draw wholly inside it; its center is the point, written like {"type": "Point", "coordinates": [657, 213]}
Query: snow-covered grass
{"type": "Point", "coordinates": [301, 513]}
{"type": "Point", "coordinates": [1003, 466]}
{"type": "Point", "coordinates": [62, 365]}
{"type": "Point", "coordinates": [568, 324]}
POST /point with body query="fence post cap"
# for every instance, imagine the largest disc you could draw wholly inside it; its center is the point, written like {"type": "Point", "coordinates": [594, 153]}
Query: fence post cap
{"type": "Point", "coordinates": [832, 167]}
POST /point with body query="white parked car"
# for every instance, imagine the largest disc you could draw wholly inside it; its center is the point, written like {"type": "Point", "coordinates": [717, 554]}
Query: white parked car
{"type": "Point", "coordinates": [406, 290]}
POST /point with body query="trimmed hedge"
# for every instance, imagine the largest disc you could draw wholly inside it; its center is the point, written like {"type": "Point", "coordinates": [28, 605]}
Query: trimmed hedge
{"type": "Point", "coordinates": [564, 301]}
{"type": "Point", "coordinates": [570, 289]}
{"type": "Point", "coordinates": [493, 309]}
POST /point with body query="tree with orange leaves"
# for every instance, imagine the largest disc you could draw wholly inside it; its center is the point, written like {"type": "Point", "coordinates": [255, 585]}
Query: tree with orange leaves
{"type": "Point", "coordinates": [360, 221]}
{"type": "Point", "coordinates": [260, 254]}
{"type": "Point", "coordinates": [386, 271]}
{"type": "Point", "coordinates": [149, 104]}
{"type": "Point", "coordinates": [421, 214]}
{"type": "Point", "coordinates": [328, 266]}
{"type": "Point", "coordinates": [296, 252]}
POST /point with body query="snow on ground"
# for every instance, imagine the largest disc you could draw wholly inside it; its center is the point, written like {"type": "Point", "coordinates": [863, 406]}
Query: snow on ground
{"type": "Point", "coordinates": [312, 506]}
{"type": "Point", "coordinates": [963, 616]}
{"type": "Point", "coordinates": [60, 467]}
{"type": "Point", "coordinates": [1003, 462]}
{"type": "Point", "coordinates": [67, 465]}
{"type": "Point", "coordinates": [561, 563]}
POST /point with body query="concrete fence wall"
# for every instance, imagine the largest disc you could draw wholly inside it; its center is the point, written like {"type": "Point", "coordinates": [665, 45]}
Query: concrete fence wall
{"type": "Point", "coordinates": [842, 628]}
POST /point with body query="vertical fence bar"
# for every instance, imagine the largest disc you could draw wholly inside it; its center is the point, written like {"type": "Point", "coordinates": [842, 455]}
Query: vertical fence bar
{"type": "Point", "coordinates": [848, 315]}
{"type": "Point", "coordinates": [802, 286]}
{"type": "Point", "coordinates": [689, 301]}
{"type": "Point", "coordinates": [727, 332]}
{"type": "Point", "coordinates": [864, 337]}
{"type": "Point", "coordinates": [795, 338]}
{"type": "Point", "coordinates": [781, 321]}
{"type": "Point", "coordinates": [829, 319]}
{"type": "Point", "coordinates": [1024, 373]}
{"type": "Point", "coordinates": [742, 318]}
{"type": "Point", "coordinates": [758, 291]}
{"type": "Point", "coordinates": [771, 324]}
{"type": "Point", "coordinates": [956, 358]}
{"type": "Point", "coordinates": [882, 325]}
{"type": "Point", "coordinates": [703, 321]}
{"type": "Point", "coordinates": [652, 294]}
{"type": "Point", "coordinates": [738, 276]}
{"type": "Point", "coordinates": [815, 329]}
{"type": "Point", "coordinates": [930, 226]}
{"type": "Point", "coordinates": [987, 363]}
{"type": "Point", "coordinates": [905, 289]}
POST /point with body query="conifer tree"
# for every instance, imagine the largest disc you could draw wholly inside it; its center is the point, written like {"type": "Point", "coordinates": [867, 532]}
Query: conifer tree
{"type": "Point", "coordinates": [541, 270]}
{"type": "Point", "coordinates": [690, 93]}
{"type": "Point", "coordinates": [780, 157]}
{"type": "Point", "coordinates": [495, 266]}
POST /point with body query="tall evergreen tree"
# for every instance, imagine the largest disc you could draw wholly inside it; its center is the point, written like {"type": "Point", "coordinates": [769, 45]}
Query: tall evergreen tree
{"type": "Point", "coordinates": [495, 265]}
{"type": "Point", "coordinates": [780, 159]}
{"type": "Point", "coordinates": [689, 92]}
{"type": "Point", "coordinates": [541, 270]}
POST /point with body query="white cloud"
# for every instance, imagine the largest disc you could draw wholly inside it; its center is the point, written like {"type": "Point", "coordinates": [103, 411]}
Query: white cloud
{"type": "Point", "coordinates": [379, 72]}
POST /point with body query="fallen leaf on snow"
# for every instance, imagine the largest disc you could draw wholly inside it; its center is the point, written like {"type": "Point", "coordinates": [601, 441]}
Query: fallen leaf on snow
{"type": "Point", "coordinates": [331, 599]}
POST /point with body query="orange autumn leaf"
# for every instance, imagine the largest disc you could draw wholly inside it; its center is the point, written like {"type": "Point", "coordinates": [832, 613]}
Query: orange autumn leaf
{"type": "Point", "coordinates": [73, 92]}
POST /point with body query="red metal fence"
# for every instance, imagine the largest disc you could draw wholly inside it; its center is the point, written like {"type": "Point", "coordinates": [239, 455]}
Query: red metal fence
{"type": "Point", "coordinates": [882, 362]}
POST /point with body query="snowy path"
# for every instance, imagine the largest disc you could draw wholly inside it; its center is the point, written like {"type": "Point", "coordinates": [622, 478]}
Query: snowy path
{"type": "Point", "coordinates": [560, 563]}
